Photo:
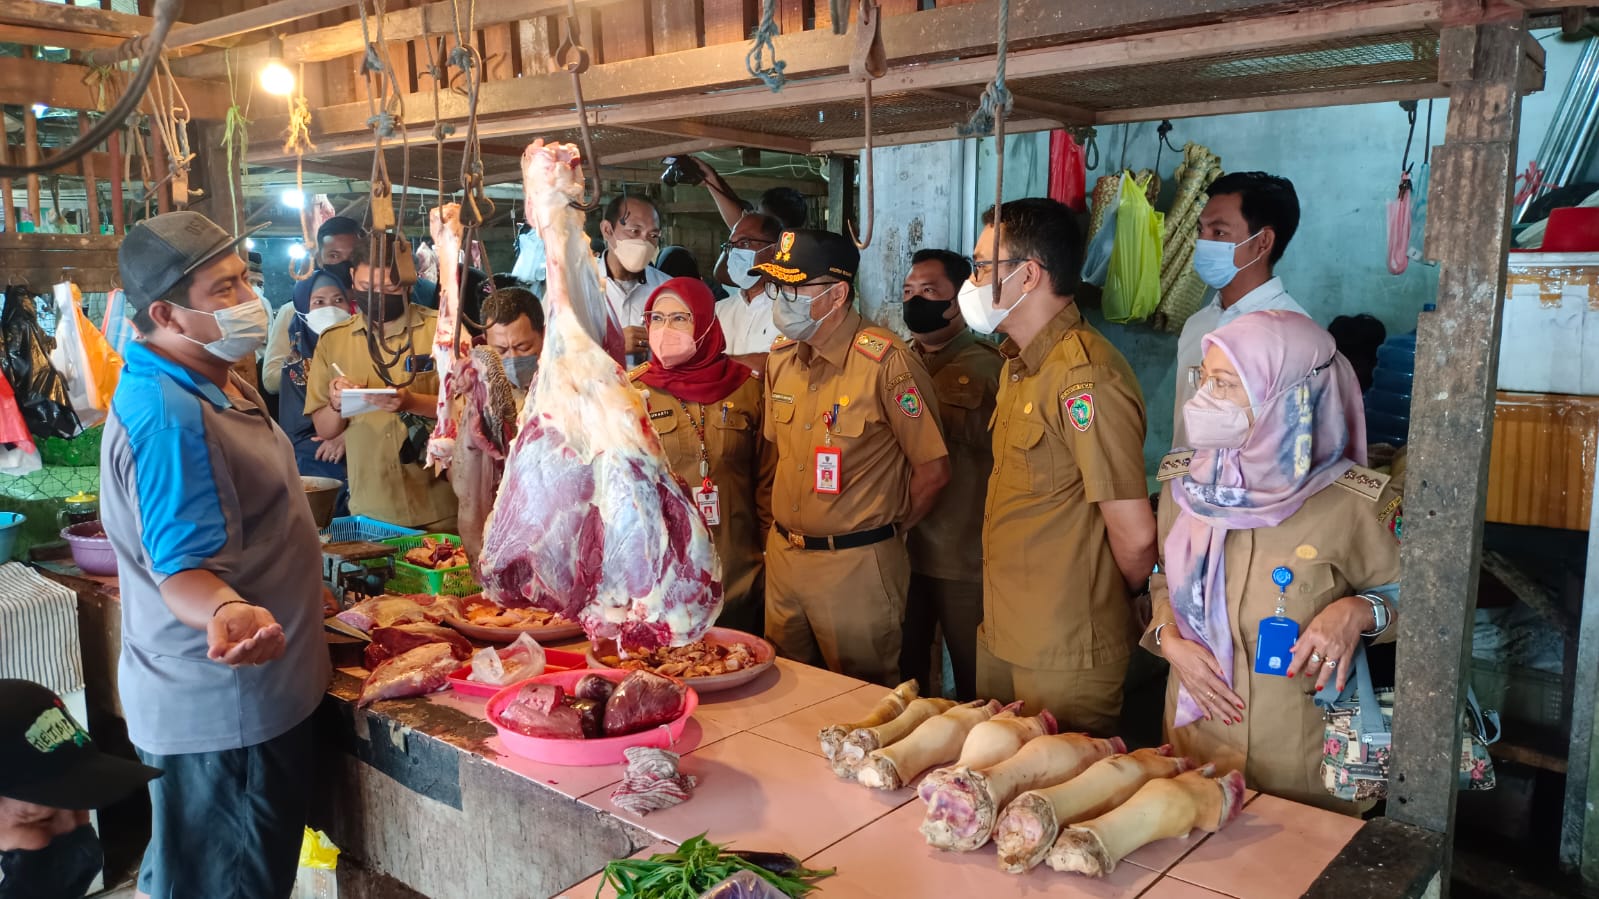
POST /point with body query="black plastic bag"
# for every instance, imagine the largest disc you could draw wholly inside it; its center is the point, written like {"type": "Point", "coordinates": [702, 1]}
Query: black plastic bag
{"type": "Point", "coordinates": [41, 390]}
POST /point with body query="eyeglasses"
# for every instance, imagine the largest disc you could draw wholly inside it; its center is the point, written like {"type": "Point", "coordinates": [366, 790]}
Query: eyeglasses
{"type": "Point", "coordinates": [1220, 388]}
{"type": "Point", "coordinates": [790, 294]}
{"type": "Point", "coordinates": [681, 321]}
{"type": "Point", "coordinates": [747, 243]}
{"type": "Point", "coordinates": [982, 271]}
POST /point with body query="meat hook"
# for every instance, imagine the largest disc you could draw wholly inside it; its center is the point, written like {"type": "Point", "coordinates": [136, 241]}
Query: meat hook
{"type": "Point", "coordinates": [869, 62]}
{"type": "Point", "coordinates": [574, 57]}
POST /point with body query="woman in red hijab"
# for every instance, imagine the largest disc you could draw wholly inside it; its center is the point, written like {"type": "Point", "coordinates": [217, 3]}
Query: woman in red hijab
{"type": "Point", "coordinates": [707, 410]}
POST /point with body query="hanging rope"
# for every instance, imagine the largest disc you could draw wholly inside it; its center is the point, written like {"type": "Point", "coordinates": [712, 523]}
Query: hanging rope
{"type": "Point", "coordinates": [170, 113]}
{"type": "Point", "coordinates": [297, 140]}
{"type": "Point", "coordinates": [995, 102]}
{"type": "Point", "coordinates": [574, 57]}
{"type": "Point", "coordinates": [771, 75]}
{"type": "Point", "coordinates": [1088, 136]}
{"type": "Point", "coordinates": [236, 132]}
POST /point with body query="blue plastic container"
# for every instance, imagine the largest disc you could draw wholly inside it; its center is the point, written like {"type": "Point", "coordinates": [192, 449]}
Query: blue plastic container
{"type": "Point", "coordinates": [360, 527]}
{"type": "Point", "coordinates": [10, 526]}
{"type": "Point", "coordinates": [1388, 400]}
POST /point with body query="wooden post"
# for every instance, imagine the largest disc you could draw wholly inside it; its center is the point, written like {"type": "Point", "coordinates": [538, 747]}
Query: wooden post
{"type": "Point", "coordinates": [212, 165]}
{"type": "Point", "coordinates": [114, 144]}
{"type": "Point", "coordinates": [5, 184]}
{"type": "Point", "coordinates": [30, 156]}
{"type": "Point", "coordinates": [159, 171]}
{"type": "Point", "coordinates": [840, 192]}
{"type": "Point", "coordinates": [1451, 423]}
{"type": "Point", "coordinates": [1579, 825]}
{"type": "Point", "coordinates": [91, 190]}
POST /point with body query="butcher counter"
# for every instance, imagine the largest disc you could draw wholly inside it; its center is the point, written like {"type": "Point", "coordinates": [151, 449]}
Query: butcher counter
{"type": "Point", "coordinates": [422, 800]}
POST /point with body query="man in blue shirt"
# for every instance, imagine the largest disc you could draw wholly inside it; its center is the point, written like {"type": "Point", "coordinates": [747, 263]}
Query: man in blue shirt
{"type": "Point", "coordinates": [223, 658]}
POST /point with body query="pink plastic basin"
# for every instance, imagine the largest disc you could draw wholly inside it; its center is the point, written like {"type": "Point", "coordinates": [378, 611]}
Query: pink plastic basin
{"type": "Point", "coordinates": [93, 554]}
{"type": "Point", "coordinates": [603, 751]}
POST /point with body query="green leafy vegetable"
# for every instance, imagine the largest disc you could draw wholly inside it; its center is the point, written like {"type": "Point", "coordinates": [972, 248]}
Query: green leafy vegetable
{"type": "Point", "coordinates": [695, 867]}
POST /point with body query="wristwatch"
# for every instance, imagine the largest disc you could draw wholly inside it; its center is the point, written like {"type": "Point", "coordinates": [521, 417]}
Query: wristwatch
{"type": "Point", "coordinates": [1380, 615]}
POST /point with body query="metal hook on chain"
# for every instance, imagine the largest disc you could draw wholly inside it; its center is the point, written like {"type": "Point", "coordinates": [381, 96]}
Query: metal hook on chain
{"type": "Point", "coordinates": [574, 57]}
{"type": "Point", "coordinates": [870, 62]}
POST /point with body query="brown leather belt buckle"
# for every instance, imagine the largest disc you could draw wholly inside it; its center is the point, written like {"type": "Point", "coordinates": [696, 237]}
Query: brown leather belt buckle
{"type": "Point", "coordinates": [796, 540]}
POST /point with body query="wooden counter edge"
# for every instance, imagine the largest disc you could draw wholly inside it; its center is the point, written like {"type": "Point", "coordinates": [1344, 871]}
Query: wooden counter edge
{"type": "Point", "coordinates": [1385, 858]}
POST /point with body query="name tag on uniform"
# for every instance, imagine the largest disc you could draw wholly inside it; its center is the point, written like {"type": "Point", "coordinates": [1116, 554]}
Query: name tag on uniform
{"type": "Point", "coordinates": [1274, 645]}
{"type": "Point", "coordinates": [709, 499]}
{"type": "Point", "coordinates": [829, 469]}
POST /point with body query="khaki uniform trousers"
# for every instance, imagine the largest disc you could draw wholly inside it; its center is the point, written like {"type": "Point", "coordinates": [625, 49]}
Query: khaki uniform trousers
{"type": "Point", "coordinates": [842, 608]}
{"type": "Point", "coordinates": [1084, 699]}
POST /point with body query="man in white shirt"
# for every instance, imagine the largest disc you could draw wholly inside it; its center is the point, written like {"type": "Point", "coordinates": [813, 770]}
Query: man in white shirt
{"type": "Point", "coordinates": [746, 314]}
{"type": "Point", "coordinates": [1243, 231]}
{"type": "Point", "coordinates": [632, 232]}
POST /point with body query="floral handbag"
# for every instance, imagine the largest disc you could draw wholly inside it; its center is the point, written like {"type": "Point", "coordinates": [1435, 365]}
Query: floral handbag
{"type": "Point", "coordinates": [1358, 749]}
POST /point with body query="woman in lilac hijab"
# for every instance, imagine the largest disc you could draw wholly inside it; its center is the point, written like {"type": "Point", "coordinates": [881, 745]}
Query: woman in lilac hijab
{"type": "Point", "coordinates": [1279, 553]}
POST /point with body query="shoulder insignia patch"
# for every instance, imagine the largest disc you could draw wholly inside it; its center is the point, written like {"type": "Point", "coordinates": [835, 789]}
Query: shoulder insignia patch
{"type": "Point", "coordinates": [637, 371]}
{"type": "Point", "coordinates": [1075, 389]}
{"type": "Point", "coordinates": [1079, 410]}
{"type": "Point", "coordinates": [782, 343]}
{"type": "Point", "coordinates": [1174, 465]}
{"type": "Point", "coordinates": [909, 401]}
{"type": "Point", "coordinates": [1392, 517]}
{"type": "Point", "coordinates": [872, 346]}
{"type": "Point", "coordinates": [1364, 481]}
{"type": "Point", "coordinates": [899, 379]}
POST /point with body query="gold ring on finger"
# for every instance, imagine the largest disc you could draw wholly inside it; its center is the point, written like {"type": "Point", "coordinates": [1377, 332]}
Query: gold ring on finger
{"type": "Point", "coordinates": [1330, 664]}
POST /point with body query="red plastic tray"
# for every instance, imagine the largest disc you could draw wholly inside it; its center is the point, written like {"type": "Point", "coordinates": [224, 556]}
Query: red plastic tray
{"type": "Point", "coordinates": [555, 660]}
{"type": "Point", "coordinates": [603, 751]}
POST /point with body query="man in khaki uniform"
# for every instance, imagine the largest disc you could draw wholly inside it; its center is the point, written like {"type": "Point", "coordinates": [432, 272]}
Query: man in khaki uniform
{"type": "Point", "coordinates": [859, 460]}
{"type": "Point", "coordinates": [947, 547]}
{"type": "Point", "coordinates": [1068, 534]}
{"type": "Point", "coordinates": [385, 451]}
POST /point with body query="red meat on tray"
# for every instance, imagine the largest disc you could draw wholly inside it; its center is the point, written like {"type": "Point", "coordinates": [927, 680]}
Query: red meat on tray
{"type": "Point", "coordinates": [641, 701]}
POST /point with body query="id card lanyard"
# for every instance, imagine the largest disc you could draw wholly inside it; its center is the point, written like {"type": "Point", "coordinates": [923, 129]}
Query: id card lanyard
{"type": "Point", "coordinates": [707, 496]}
{"type": "Point", "coordinates": [829, 458]}
{"type": "Point", "coordinates": [1274, 645]}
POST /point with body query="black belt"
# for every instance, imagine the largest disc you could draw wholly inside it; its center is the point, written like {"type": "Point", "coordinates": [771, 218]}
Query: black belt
{"type": "Point", "coordinates": [846, 541]}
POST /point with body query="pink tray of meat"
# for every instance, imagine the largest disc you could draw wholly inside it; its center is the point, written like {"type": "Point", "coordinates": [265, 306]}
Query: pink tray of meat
{"type": "Point", "coordinates": [555, 662]}
{"type": "Point", "coordinates": [580, 752]}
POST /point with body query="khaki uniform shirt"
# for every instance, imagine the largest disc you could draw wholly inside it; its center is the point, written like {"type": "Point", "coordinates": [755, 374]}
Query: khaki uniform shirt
{"type": "Point", "coordinates": [1341, 542]}
{"type": "Point", "coordinates": [740, 466]}
{"type": "Point", "coordinates": [948, 543]}
{"type": "Point", "coordinates": [381, 487]}
{"type": "Point", "coordinates": [1068, 433]}
{"type": "Point", "coordinates": [887, 423]}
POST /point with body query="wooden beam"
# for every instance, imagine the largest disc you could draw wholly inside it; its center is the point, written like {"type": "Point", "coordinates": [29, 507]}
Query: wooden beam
{"type": "Point", "coordinates": [71, 40]}
{"type": "Point", "coordinates": [400, 25]}
{"type": "Point", "coordinates": [1349, 97]}
{"type": "Point", "coordinates": [682, 146]}
{"type": "Point", "coordinates": [639, 88]}
{"type": "Point", "coordinates": [1063, 113]}
{"type": "Point", "coordinates": [851, 144]}
{"type": "Point", "coordinates": [736, 137]}
{"type": "Point", "coordinates": [24, 82]}
{"type": "Point", "coordinates": [222, 28]}
{"type": "Point", "coordinates": [1451, 422]}
{"type": "Point", "coordinates": [30, 157]}
{"type": "Point", "coordinates": [61, 17]}
{"type": "Point", "coordinates": [7, 195]}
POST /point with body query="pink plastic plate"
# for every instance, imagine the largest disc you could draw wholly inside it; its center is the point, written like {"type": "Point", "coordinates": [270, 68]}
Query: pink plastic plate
{"type": "Point", "coordinates": [603, 751]}
{"type": "Point", "coordinates": [555, 661]}
{"type": "Point", "coordinates": [765, 657]}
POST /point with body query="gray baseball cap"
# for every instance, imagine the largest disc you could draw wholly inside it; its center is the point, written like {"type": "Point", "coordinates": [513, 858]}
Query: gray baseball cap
{"type": "Point", "coordinates": [159, 252]}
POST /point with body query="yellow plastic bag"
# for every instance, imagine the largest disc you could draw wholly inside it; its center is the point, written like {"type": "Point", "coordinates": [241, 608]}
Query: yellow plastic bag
{"type": "Point", "coordinates": [319, 859]}
{"type": "Point", "coordinates": [1132, 289]}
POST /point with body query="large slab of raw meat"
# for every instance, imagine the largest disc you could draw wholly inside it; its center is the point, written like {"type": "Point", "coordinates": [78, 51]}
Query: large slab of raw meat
{"type": "Point", "coordinates": [590, 521]}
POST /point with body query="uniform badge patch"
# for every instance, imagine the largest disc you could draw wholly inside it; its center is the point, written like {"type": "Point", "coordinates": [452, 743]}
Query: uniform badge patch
{"type": "Point", "coordinates": [910, 402]}
{"type": "Point", "coordinates": [1080, 409]}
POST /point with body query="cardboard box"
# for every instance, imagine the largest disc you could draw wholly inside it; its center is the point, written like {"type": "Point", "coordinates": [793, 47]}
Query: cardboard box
{"type": "Point", "coordinates": [1549, 339]}
{"type": "Point", "coordinates": [1542, 468]}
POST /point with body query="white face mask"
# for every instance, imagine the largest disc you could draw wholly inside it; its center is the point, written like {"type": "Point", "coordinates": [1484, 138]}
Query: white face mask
{"type": "Point", "coordinates": [976, 304]}
{"type": "Point", "coordinates": [1213, 260]}
{"type": "Point", "coordinates": [739, 263]}
{"type": "Point", "coordinates": [244, 330]}
{"type": "Point", "coordinates": [324, 317]}
{"type": "Point", "coordinates": [635, 254]}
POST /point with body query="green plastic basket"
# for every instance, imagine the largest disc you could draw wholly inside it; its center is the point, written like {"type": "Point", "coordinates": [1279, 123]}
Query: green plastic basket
{"type": "Point", "coordinates": [80, 452]}
{"type": "Point", "coordinates": [408, 578]}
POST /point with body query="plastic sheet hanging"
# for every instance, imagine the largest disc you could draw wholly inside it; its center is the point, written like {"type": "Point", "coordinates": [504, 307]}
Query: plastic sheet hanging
{"type": "Point", "coordinates": [84, 358]}
{"type": "Point", "coordinates": [18, 454]}
{"type": "Point", "coordinates": [1132, 288]}
{"type": "Point", "coordinates": [1102, 229]}
{"type": "Point", "coordinates": [1067, 171]}
{"type": "Point", "coordinates": [41, 392]}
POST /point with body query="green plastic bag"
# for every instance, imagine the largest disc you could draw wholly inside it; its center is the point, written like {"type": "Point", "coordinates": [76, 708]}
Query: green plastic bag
{"type": "Point", "coordinates": [1132, 290]}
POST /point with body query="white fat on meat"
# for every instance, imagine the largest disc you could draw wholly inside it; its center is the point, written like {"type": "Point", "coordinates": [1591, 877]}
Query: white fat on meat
{"type": "Point", "coordinates": [444, 223]}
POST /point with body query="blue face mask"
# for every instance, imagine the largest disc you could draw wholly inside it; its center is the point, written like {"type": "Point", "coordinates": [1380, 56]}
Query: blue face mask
{"type": "Point", "coordinates": [520, 370]}
{"type": "Point", "coordinates": [1213, 260]}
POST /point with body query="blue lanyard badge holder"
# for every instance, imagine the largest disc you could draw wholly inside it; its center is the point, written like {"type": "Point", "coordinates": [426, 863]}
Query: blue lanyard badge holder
{"type": "Point", "coordinates": [1274, 646]}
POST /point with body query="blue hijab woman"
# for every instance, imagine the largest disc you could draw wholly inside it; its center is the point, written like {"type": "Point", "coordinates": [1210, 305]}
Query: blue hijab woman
{"type": "Point", "coordinates": [320, 302]}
